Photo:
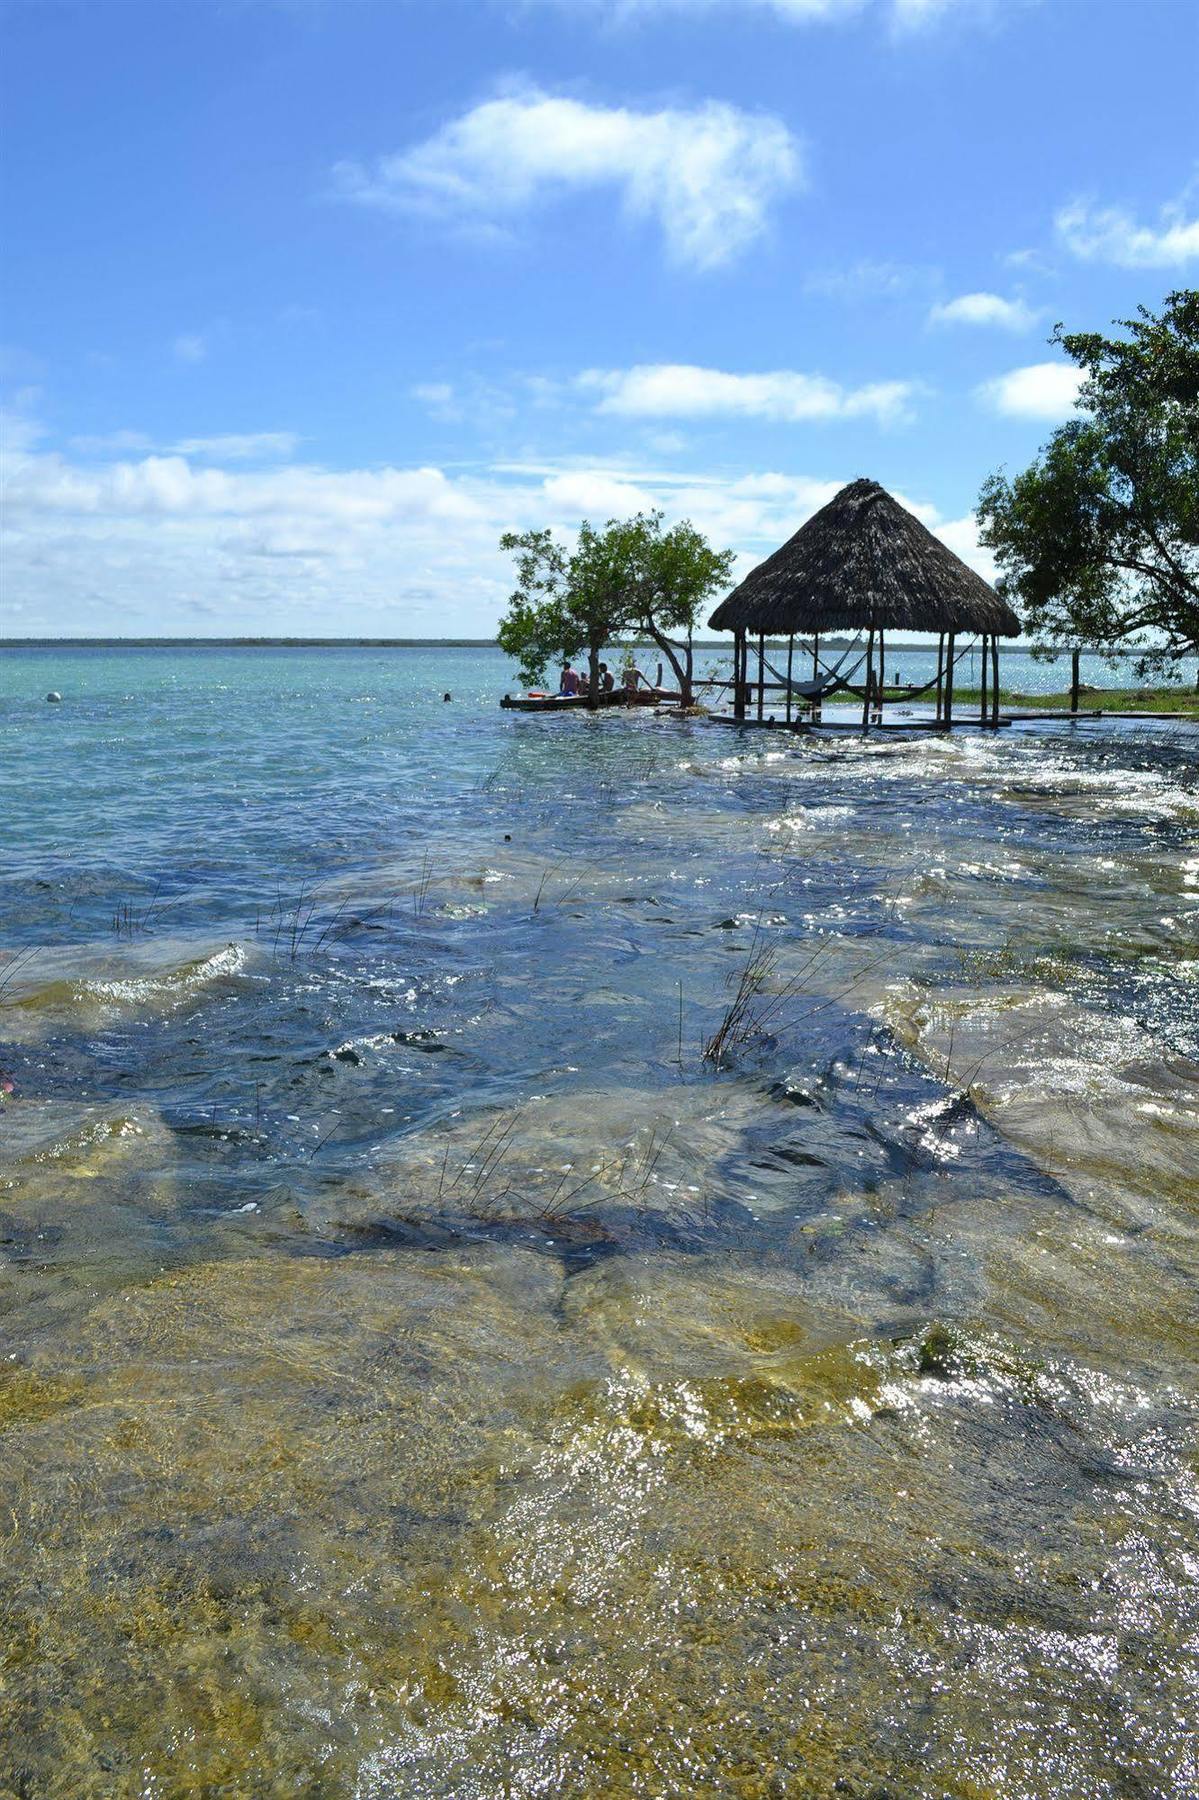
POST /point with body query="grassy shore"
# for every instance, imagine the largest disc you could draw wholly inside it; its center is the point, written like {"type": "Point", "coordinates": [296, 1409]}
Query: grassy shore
{"type": "Point", "coordinates": [1174, 699]}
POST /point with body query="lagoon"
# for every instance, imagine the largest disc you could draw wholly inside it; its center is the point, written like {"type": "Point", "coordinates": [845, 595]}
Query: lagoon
{"type": "Point", "coordinates": [427, 1374]}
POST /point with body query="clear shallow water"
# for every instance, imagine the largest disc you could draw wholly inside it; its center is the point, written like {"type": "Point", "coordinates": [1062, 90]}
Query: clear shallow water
{"type": "Point", "coordinates": [426, 1375]}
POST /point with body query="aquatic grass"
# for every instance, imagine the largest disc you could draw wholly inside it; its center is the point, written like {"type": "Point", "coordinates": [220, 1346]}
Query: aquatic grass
{"type": "Point", "coordinates": [546, 873]}
{"type": "Point", "coordinates": [19, 960]}
{"type": "Point", "coordinates": [301, 925]}
{"type": "Point", "coordinates": [293, 919]}
{"type": "Point", "coordinates": [572, 886]}
{"type": "Point", "coordinates": [126, 919]}
{"type": "Point", "coordinates": [420, 893]}
{"type": "Point", "coordinates": [491, 1186]}
{"type": "Point", "coordinates": [751, 1010]}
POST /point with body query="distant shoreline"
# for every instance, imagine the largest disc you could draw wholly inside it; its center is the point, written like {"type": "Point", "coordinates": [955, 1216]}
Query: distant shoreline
{"type": "Point", "coordinates": [832, 642]}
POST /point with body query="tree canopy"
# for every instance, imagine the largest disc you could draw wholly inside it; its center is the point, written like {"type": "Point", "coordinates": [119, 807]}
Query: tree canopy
{"type": "Point", "coordinates": [676, 574]}
{"type": "Point", "coordinates": [632, 576]}
{"type": "Point", "coordinates": [1098, 540]}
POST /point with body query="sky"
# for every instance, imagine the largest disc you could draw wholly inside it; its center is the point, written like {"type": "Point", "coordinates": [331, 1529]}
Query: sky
{"type": "Point", "coordinates": [304, 302]}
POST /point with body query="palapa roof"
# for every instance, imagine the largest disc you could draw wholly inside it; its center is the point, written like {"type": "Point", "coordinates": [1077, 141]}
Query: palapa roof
{"type": "Point", "coordinates": [862, 562]}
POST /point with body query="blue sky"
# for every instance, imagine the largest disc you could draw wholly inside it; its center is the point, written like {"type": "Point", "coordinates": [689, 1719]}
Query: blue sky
{"type": "Point", "coordinates": [304, 303]}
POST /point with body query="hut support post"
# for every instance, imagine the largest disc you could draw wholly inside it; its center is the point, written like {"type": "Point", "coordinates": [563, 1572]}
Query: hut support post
{"type": "Point", "coordinates": [869, 680]}
{"type": "Point", "coordinates": [940, 673]}
{"type": "Point", "coordinates": [816, 703]}
{"type": "Point", "coordinates": [739, 675]}
{"type": "Point", "coordinates": [947, 712]}
{"type": "Point", "coordinates": [982, 702]}
{"type": "Point", "coordinates": [761, 671]}
{"type": "Point", "coordinates": [790, 654]}
{"type": "Point", "coordinates": [994, 679]}
{"type": "Point", "coordinates": [1075, 684]}
{"type": "Point", "coordinates": [882, 674]}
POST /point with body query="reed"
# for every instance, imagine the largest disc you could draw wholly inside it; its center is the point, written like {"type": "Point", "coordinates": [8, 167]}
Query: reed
{"type": "Point", "coordinates": [16, 962]}
{"type": "Point", "coordinates": [128, 919]}
{"type": "Point", "coordinates": [752, 1007]}
{"type": "Point", "coordinates": [420, 894]}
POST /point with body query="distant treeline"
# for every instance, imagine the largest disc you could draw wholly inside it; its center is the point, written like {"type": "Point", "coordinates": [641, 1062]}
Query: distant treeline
{"type": "Point", "coordinates": [834, 642]}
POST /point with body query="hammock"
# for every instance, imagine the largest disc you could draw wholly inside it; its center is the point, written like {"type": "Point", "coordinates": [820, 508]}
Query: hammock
{"type": "Point", "coordinates": [833, 681]}
{"type": "Point", "coordinates": [909, 692]}
{"type": "Point", "coordinates": [836, 683]}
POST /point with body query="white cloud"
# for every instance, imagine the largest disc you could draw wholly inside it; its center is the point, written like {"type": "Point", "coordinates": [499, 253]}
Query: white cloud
{"type": "Point", "coordinates": [961, 535]}
{"type": "Point", "coordinates": [168, 486]}
{"type": "Point", "coordinates": [1109, 234]}
{"type": "Point", "coordinates": [108, 443]}
{"type": "Point", "coordinates": [232, 446]}
{"type": "Point", "coordinates": [191, 347]}
{"type": "Point", "coordinates": [903, 14]}
{"type": "Point", "coordinates": [594, 494]}
{"type": "Point", "coordinates": [434, 393]}
{"type": "Point", "coordinates": [707, 177]}
{"type": "Point", "coordinates": [240, 446]}
{"type": "Point", "coordinates": [683, 391]}
{"type": "Point", "coordinates": [156, 543]}
{"type": "Point", "coordinates": [984, 309]}
{"type": "Point", "coordinates": [1045, 390]}
{"type": "Point", "coordinates": [867, 280]}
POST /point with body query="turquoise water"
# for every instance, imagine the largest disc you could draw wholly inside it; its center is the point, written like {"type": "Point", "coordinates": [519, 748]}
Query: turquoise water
{"type": "Point", "coordinates": [447, 1354]}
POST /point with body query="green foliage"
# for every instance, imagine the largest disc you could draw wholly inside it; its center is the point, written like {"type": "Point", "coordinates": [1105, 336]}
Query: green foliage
{"type": "Point", "coordinates": [629, 577]}
{"type": "Point", "coordinates": [676, 576]}
{"type": "Point", "coordinates": [539, 627]}
{"type": "Point", "coordinates": [1098, 541]}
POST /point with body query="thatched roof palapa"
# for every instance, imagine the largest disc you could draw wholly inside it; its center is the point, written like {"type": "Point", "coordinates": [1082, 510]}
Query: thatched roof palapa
{"type": "Point", "coordinates": [862, 563]}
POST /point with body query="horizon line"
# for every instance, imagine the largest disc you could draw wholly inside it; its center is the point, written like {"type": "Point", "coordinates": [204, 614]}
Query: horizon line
{"type": "Point", "coordinates": [410, 643]}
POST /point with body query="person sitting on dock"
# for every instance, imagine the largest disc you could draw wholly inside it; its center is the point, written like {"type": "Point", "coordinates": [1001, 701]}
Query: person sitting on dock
{"type": "Point", "coordinates": [584, 684]}
{"type": "Point", "coordinates": [570, 681]}
{"type": "Point", "coordinates": [607, 680]}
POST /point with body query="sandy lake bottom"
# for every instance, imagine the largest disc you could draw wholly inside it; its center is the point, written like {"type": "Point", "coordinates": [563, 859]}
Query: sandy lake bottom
{"type": "Point", "coordinates": [423, 1372]}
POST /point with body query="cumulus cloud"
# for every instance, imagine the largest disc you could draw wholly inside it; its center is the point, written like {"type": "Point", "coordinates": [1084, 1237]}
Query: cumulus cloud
{"type": "Point", "coordinates": [706, 177]}
{"type": "Point", "coordinates": [1109, 234]}
{"type": "Point", "coordinates": [1045, 390]}
{"type": "Point", "coordinates": [961, 535]}
{"type": "Point", "coordinates": [984, 309]}
{"type": "Point", "coordinates": [684, 391]}
{"type": "Point", "coordinates": [169, 486]}
{"type": "Point", "coordinates": [155, 541]}
{"type": "Point", "coordinates": [595, 494]}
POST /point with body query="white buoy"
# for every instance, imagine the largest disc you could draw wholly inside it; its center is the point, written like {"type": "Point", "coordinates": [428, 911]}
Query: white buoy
{"type": "Point", "coordinates": [54, 695]}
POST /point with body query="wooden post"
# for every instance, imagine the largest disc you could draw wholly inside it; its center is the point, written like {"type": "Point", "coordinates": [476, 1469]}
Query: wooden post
{"type": "Point", "coordinates": [761, 670]}
{"type": "Point", "coordinates": [738, 675]}
{"type": "Point", "coordinates": [882, 673]}
{"type": "Point", "coordinates": [982, 697]}
{"type": "Point", "coordinates": [994, 679]}
{"type": "Point", "coordinates": [1074, 681]}
{"type": "Point", "coordinates": [947, 713]}
{"type": "Point", "coordinates": [869, 680]}
{"type": "Point", "coordinates": [940, 672]}
{"type": "Point", "coordinates": [790, 653]}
